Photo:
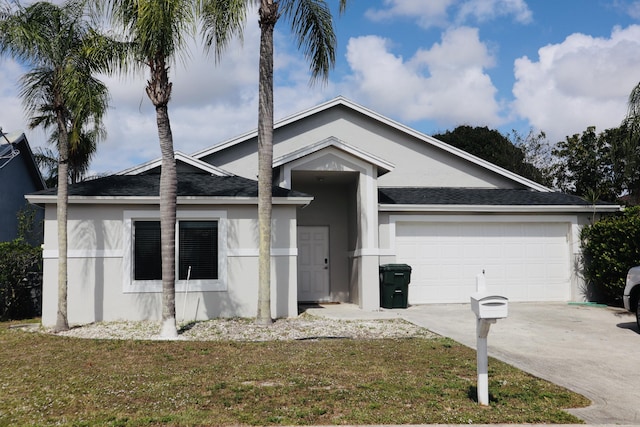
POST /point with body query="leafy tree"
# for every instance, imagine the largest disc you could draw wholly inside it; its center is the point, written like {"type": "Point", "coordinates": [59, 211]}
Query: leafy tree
{"type": "Point", "coordinates": [631, 146]}
{"type": "Point", "coordinates": [30, 227]}
{"type": "Point", "coordinates": [492, 146]}
{"type": "Point", "coordinates": [600, 166]}
{"type": "Point", "coordinates": [157, 31]}
{"type": "Point", "coordinates": [20, 279]}
{"type": "Point", "coordinates": [610, 247]}
{"type": "Point", "coordinates": [60, 91]}
{"type": "Point", "coordinates": [537, 152]}
{"type": "Point", "coordinates": [312, 28]}
{"type": "Point", "coordinates": [621, 163]}
{"type": "Point", "coordinates": [581, 168]}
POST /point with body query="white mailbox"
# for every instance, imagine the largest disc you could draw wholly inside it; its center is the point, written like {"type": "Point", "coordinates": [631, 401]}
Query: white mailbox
{"type": "Point", "coordinates": [487, 306]}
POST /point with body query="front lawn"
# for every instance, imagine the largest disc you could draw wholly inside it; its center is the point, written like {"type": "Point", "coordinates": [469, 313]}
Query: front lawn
{"type": "Point", "coordinates": [53, 380]}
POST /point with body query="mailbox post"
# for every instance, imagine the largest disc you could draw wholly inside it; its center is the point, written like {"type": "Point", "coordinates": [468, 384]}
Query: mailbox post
{"type": "Point", "coordinates": [488, 308]}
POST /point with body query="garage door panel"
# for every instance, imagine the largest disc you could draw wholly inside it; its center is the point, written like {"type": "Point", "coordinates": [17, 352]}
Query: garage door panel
{"type": "Point", "coordinates": [523, 261]}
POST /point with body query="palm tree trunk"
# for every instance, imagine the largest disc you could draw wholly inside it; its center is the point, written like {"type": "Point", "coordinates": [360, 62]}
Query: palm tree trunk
{"type": "Point", "coordinates": [168, 193]}
{"type": "Point", "coordinates": [159, 92]}
{"type": "Point", "coordinates": [268, 18]}
{"type": "Point", "coordinates": [62, 320]}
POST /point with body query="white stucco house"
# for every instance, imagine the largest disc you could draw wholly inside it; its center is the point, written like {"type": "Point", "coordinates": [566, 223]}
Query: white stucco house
{"type": "Point", "coordinates": [352, 190]}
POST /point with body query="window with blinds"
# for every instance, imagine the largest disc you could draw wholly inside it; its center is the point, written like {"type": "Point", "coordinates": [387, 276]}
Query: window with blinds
{"type": "Point", "coordinates": [147, 264]}
{"type": "Point", "coordinates": [197, 247]}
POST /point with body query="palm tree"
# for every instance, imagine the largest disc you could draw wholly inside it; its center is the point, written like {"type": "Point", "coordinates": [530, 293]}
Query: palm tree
{"type": "Point", "coordinates": [80, 156]}
{"type": "Point", "coordinates": [312, 26]}
{"type": "Point", "coordinates": [59, 92]}
{"type": "Point", "coordinates": [47, 161]}
{"type": "Point", "coordinates": [156, 31]}
{"type": "Point", "coordinates": [631, 146]}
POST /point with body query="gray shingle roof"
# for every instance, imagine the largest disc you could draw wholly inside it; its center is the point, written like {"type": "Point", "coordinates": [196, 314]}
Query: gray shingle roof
{"type": "Point", "coordinates": [475, 196]}
{"type": "Point", "coordinates": [189, 184]}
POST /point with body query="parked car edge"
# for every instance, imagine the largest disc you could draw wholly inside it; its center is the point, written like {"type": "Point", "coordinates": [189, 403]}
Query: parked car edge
{"type": "Point", "coordinates": [631, 296]}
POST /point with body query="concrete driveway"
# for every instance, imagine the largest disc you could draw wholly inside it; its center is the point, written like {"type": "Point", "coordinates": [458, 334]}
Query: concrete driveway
{"type": "Point", "coordinates": [594, 351]}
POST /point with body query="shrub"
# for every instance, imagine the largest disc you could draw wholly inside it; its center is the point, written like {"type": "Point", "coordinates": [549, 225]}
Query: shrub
{"type": "Point", "coordinates": [610, 247]}
{"type": "Point", "coordinates": [20, 280]}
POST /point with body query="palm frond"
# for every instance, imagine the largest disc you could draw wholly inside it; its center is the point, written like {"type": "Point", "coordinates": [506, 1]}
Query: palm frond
{"type": "Point", "coordinates": [634, 102]}
{"type": "Point", "coordinates": [222, 20]}
{"type": "Point", "coordinates": [47, 162]}
{"type": "Point", "coordinates": [155, 28]}
{"type": "Point", "coordinates": [312, 26]}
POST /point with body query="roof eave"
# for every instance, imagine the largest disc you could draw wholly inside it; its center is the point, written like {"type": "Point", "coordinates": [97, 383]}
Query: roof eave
{"type": "Point", "coordinates": [155, 200]}
{"type": "Point", "coordinates": [500, 208]}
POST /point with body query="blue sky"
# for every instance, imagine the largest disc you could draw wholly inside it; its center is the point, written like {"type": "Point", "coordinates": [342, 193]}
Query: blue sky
{"type": "Point", "coordinates": [556, 66]}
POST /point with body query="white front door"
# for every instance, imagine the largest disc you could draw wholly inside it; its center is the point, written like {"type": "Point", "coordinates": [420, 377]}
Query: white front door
{"type": "Point", "coordinates": [313, 263]}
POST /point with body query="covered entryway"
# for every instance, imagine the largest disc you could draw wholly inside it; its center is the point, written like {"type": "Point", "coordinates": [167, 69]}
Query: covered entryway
{"type": "Point", "coordinates": [324, 229]}
{"type": "Point", "coordinates": [524, 261]}
{"type": "Point", "coordinates": [343, 182]}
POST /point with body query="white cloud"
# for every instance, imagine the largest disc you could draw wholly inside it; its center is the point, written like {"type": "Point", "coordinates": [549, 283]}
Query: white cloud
{"type": "Point", "coordinates": [446, 83]}
{"type": "Point", "coordinates": [583, 81]}
{"type": "Point", "coordinates": [630, 8]}
{"type": "Point", "coordinates": [487, 10]}
{"type": "Point", "coordinates": [12, 118]}
{"type": "Point", "coordinates": [435, 13]}
{"type": "Point", "coordinates": [432, 13]}
{"type": "Point", "coordinates": [12, 115]}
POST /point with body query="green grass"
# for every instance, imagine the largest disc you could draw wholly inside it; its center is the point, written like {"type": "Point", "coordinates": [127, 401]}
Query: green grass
{"type": "Point", "coordinates": [52, 380]}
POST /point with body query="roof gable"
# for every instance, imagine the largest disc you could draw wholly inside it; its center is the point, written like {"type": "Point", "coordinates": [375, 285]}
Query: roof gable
{"type": "Point", "coordinates": [341, 102]}
{"type": "Point", "coordinates": [332, 142]}
{"type": "Point", "coordinates": [193, 164]}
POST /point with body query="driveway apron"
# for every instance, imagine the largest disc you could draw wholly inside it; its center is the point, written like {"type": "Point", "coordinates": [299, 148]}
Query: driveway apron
{"type": "Point", "coordinates": [591, 350]}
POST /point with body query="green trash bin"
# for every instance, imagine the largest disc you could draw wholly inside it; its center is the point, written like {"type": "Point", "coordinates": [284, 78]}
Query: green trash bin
{"type": "Point", "coordinates": [394, 285]}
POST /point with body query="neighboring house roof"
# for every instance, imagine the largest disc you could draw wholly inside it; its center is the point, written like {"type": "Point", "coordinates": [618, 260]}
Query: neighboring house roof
{"type": "Point", "coordinates": [435, 198]}
{"type": "Point", "coordinates": [341, 101]}
{"type": "Point", "coordinates": [145, 188]}
{"type": "Point", "coordinates": [14, 145]}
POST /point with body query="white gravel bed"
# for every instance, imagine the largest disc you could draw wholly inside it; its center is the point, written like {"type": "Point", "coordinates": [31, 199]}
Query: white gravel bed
{"type": "Point", "coordinates": [303, 327]}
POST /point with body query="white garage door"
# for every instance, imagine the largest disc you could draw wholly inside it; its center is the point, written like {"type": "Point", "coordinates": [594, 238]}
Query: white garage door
{"type": "Point", "coordinates": [522, 261]}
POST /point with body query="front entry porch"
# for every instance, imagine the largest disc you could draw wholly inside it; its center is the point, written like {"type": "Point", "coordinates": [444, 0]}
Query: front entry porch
{"type": "Point", "coordinates": [343, 182]}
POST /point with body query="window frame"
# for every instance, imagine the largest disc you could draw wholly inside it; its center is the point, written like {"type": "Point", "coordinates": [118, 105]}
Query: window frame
{"type": "Point", "coordinates": [203, 285]}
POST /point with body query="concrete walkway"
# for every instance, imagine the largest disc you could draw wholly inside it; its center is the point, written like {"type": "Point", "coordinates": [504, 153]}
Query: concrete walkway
{"type": "Point", "coordinates": [591, 350]}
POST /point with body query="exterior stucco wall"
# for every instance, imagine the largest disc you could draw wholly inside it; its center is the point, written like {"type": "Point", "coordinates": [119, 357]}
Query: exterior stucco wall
{"type": "Point", "coordinates": [96, 262]}
{"type": "Point", "coordinates": [419, 163]}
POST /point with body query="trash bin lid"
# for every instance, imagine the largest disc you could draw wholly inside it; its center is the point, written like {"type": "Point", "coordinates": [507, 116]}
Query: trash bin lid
{"type": "Point", "coordinates": [395, 267]}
